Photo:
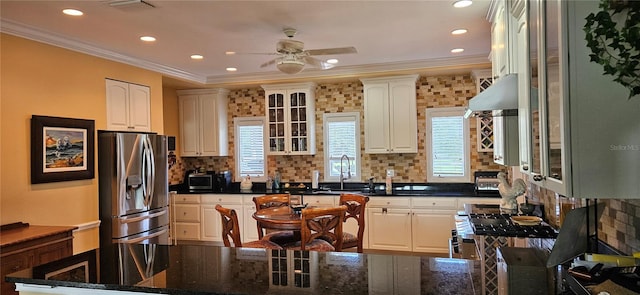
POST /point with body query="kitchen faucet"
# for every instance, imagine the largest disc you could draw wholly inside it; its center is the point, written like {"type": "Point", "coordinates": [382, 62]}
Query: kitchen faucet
{"type": "Point", "coordinates": [342, 178]}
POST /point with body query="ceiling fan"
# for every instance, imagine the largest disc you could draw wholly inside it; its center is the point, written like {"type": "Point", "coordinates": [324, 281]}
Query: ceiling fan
{"type": "Point", "coordinates": [292, 57]}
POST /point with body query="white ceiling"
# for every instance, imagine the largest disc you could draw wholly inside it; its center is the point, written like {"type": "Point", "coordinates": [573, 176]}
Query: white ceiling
{"type": "Point", "coordinates": [390, 36]}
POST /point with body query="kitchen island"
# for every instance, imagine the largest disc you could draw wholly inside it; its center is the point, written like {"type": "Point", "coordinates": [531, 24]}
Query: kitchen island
{"type": "Point", "coordinates": [206, 269]}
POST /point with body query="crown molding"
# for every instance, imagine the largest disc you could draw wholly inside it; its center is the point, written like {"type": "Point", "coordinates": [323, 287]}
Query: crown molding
{"type": "Point", "coordinates": [31, 33]}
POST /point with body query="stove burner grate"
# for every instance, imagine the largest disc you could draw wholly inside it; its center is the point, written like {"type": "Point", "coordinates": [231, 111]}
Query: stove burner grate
{"type": "Point", "coordinates": [501, 225]}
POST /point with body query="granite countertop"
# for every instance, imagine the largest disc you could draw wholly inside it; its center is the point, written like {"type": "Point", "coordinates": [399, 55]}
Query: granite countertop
{"type": "Point", "coordinates": [399, 189]}
{"type": "Point", "coordinates": [203, 269]}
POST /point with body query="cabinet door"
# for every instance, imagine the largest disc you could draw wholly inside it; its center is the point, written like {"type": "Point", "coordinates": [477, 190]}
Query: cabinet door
{"type": "Point", "coordinates": [249, 226]}
{"type": "Point", "coordinates": [208, 131]}
{"type": "Point", "coordinates": [139, 107]}
{"type": "Point", "coordinates": [117, 105]}
{"type": "Point", "coordinates": [431, 230]}
{"type": "Point", "coordinates": [498, 140]}
{"type": "Point", "coordinates": [276, 117]}
{"type": "Point", "coordinates": [211, 226]}
{"type": "Point", "coordinates": [376, 118]}
{"type": "Point", "coordinates": [499, 38]}
{"type": "Point", "coordinates": [524, 91]}
{"type": "Point", "coordinates": [389, 229]}
{"type": "Point", "coordinates": [403, 117]}
{"type": "Point", "coordinates": [299, 122]}
{"type": "Point", "coordinates": [189, 125]}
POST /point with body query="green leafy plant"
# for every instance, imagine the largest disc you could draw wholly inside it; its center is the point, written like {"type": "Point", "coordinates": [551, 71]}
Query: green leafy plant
{"type": "Point", "coordinates": [613, 35]}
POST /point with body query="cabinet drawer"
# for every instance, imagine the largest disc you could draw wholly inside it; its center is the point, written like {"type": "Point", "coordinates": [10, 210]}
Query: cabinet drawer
{"type": "Point", "coordinates": [17, 262]}
{"type": "Point", "coordinates": [187, 213]}
{"type": "Point", "coordinates": [319, 201]}
{"type": "Point", "coordinates": [53, 252]}
{"type": "Point", "coordinates": [187, 199]}
{"type": "Point", "coordinates": [400, 202]}
{"type": "Point", "coordinates": [222, 199]}
{"type": "Point", "coordinates": [435, 203]}
{"type": "Point", "coordinates": [187, 231]}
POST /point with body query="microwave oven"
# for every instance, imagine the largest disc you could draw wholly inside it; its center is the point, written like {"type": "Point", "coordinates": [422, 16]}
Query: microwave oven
{"type": "Point", "coordinates": [200, 181]}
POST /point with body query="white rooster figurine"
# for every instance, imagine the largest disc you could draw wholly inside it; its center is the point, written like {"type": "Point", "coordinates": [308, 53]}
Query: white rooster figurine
{"type": "Point", "coordinates": [509, 193]}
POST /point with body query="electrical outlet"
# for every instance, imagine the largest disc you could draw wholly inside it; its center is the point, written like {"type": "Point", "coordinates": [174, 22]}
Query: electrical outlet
{"type": "Point", "coordinates": [391, 172]}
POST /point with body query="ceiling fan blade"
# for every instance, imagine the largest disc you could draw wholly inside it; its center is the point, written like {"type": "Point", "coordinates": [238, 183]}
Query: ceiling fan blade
{"type": "Point", "coordinates": [329, 51]}
{"type": "Point", "coordinates": [271, 62]}
{"type": "Point", "coordinates": [317, 63]}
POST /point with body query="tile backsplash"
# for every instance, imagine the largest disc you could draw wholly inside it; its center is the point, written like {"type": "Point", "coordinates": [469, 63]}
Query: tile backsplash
{"type": "Point", "coordinates": [432, 91]}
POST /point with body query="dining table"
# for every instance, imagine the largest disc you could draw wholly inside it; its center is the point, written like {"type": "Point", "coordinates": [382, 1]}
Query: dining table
{"type": "Point", "coordinates": [279, 218]}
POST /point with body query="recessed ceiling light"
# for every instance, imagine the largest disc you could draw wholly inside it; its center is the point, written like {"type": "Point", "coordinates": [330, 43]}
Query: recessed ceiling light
{"type": "Point", "coordinates": [197, 56]}
{"type": "Point", "coordinates": [332, 61]}
{"type": "Point", "coordinates": [230, 53]}
{"type": "Point", "coordinates": [462, 3]}
{"type": "Point", "coordinates": [231, 69]}
{"type": "Point", "coordinates": [457, 50]}
{"type": "Point", "coordinates": [148, 38]}
{"type": "Point", "coordinates": [458, 31]}
{"type": "Point", "coordinates": [72, 12]}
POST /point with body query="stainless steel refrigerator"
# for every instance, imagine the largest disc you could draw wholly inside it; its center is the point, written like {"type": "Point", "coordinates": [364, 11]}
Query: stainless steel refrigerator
{"type": "Point", "coordinates": [134, 205]}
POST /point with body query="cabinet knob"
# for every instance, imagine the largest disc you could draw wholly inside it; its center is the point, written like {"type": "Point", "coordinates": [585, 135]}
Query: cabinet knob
{"type": "Point", "coordinates": [525, 167]}
{"type": "Point", "coordinates": [538, 177]}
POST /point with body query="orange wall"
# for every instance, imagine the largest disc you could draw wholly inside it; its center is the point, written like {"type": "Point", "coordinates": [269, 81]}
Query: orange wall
{"type": "Point", "coordinates": [39, 79]}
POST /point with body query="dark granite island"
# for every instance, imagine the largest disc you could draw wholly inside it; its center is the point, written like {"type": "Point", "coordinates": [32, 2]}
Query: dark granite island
{"type": "Point", "coordinates": [201, 269]}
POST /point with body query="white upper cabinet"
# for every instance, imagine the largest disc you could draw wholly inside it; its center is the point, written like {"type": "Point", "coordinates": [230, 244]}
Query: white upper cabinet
{"type": "Point", "coordinates": [203, 122]}
{"type": "Point", "coordinates": [291, 118]}
{"type": "Point", "coordinates": [128, 106]}
{"type": "Point", "coordinates": [390, 115]}
{"type": "Point", "coordinates": [584, 134]}
{"type": "Point", "coordinates": [499, 38]}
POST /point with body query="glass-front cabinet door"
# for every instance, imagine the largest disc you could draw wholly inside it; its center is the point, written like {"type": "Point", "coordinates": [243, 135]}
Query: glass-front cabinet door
{"type": "Point", "coordinates": [291, 119]}
{"type": "Point", "coordinates": [535, 150]}
{"type": "Point", "coordinates": [552, 151]}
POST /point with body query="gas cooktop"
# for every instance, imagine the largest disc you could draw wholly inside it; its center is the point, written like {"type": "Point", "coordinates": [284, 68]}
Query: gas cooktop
{"type": "Point", "coordinates": [495, 224]}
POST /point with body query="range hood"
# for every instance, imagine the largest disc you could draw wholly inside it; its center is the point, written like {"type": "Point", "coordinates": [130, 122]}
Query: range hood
{"type": "Point", "coordinates": [502, 95]}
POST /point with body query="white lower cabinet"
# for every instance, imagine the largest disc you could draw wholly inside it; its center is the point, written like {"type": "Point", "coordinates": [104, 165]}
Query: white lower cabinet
{"type": "Point", "coordinates": [186, 217]}
{"type": "Point", "coordinates": [211, 228]}
{"type": "Point", "coordinates": [417, 224]}
{"type": "Point", "coordinates": [431, 230]}
{"type": "Point", "coordinates": [248, 224]}
{"type": "Point", "coordinates": [389, 223]}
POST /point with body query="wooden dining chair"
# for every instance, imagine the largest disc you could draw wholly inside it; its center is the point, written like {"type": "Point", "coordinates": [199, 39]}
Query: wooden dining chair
{"type": "Point", "coordinates": [231, 228]}
{"type": "Point", "coordinates": [356, 205]}
{"type": "Point", "coordinates": [318, 223]}
{"type": "Point", "coordinates": [268, 201]}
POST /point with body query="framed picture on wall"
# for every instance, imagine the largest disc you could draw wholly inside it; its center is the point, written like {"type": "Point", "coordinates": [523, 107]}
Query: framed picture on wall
{"type": "Point", "coordinates": [62, 149]}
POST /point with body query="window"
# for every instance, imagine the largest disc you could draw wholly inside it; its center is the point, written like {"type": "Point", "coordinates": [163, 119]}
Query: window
{"type": "Point", "coordinates": [250, 142]}
{"type": "Point", "coordinates": [341, 137]}
{"type": "Point", "coordinates": [447, 144]}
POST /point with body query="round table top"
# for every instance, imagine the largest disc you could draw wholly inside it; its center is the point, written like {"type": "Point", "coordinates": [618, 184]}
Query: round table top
{"type": "Point", "coordinates": [282, 218]}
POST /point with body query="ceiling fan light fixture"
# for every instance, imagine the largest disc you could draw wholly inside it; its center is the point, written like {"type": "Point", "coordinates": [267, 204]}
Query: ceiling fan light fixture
{"type": "Point", "coordinates": [290, 66]}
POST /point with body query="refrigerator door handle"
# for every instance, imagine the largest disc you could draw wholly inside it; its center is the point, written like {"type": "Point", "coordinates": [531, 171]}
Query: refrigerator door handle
{"type": "Point", "coordinates": [148, 165]}
{"type": "Point", "coordinates": [141, 238]}
{"type": "Point", "coordinates": [154, 214]}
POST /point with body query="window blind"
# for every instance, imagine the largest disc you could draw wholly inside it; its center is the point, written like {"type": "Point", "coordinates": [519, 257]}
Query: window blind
{"type": "Point", "coordinates": [447, 141]}
{"type": "Point", "coordinates": [251, 159]}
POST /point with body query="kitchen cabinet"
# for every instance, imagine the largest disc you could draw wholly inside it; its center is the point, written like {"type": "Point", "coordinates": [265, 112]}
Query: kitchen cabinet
{"type": "Point", "coordinates": [432, 219]}
{"type": "Point", "coordinates": [390, 115]}
{"type": "Point", "coordinates": [203, 122]}
{"type": "Point", "coordinates": [505, 138]}
{"type": "Point", "coordinates": [128, 106]}
{"type": "Point", "coordinates": [505, 122]}
{"type": "Point", "coordinates": [211, 225]}
{"type": "Point", "coordinates": [249, 225]}
{"type": "Point", "coordinates": [290, 112]}
{"type": "Point", "coordinates": [584, 129]}
{"type": "Point", "coordinates": [393, 275]}
{"type": "Point", "coordinates": [389, 223]}
{"type": "Point", "coordinates": [186, 217]}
